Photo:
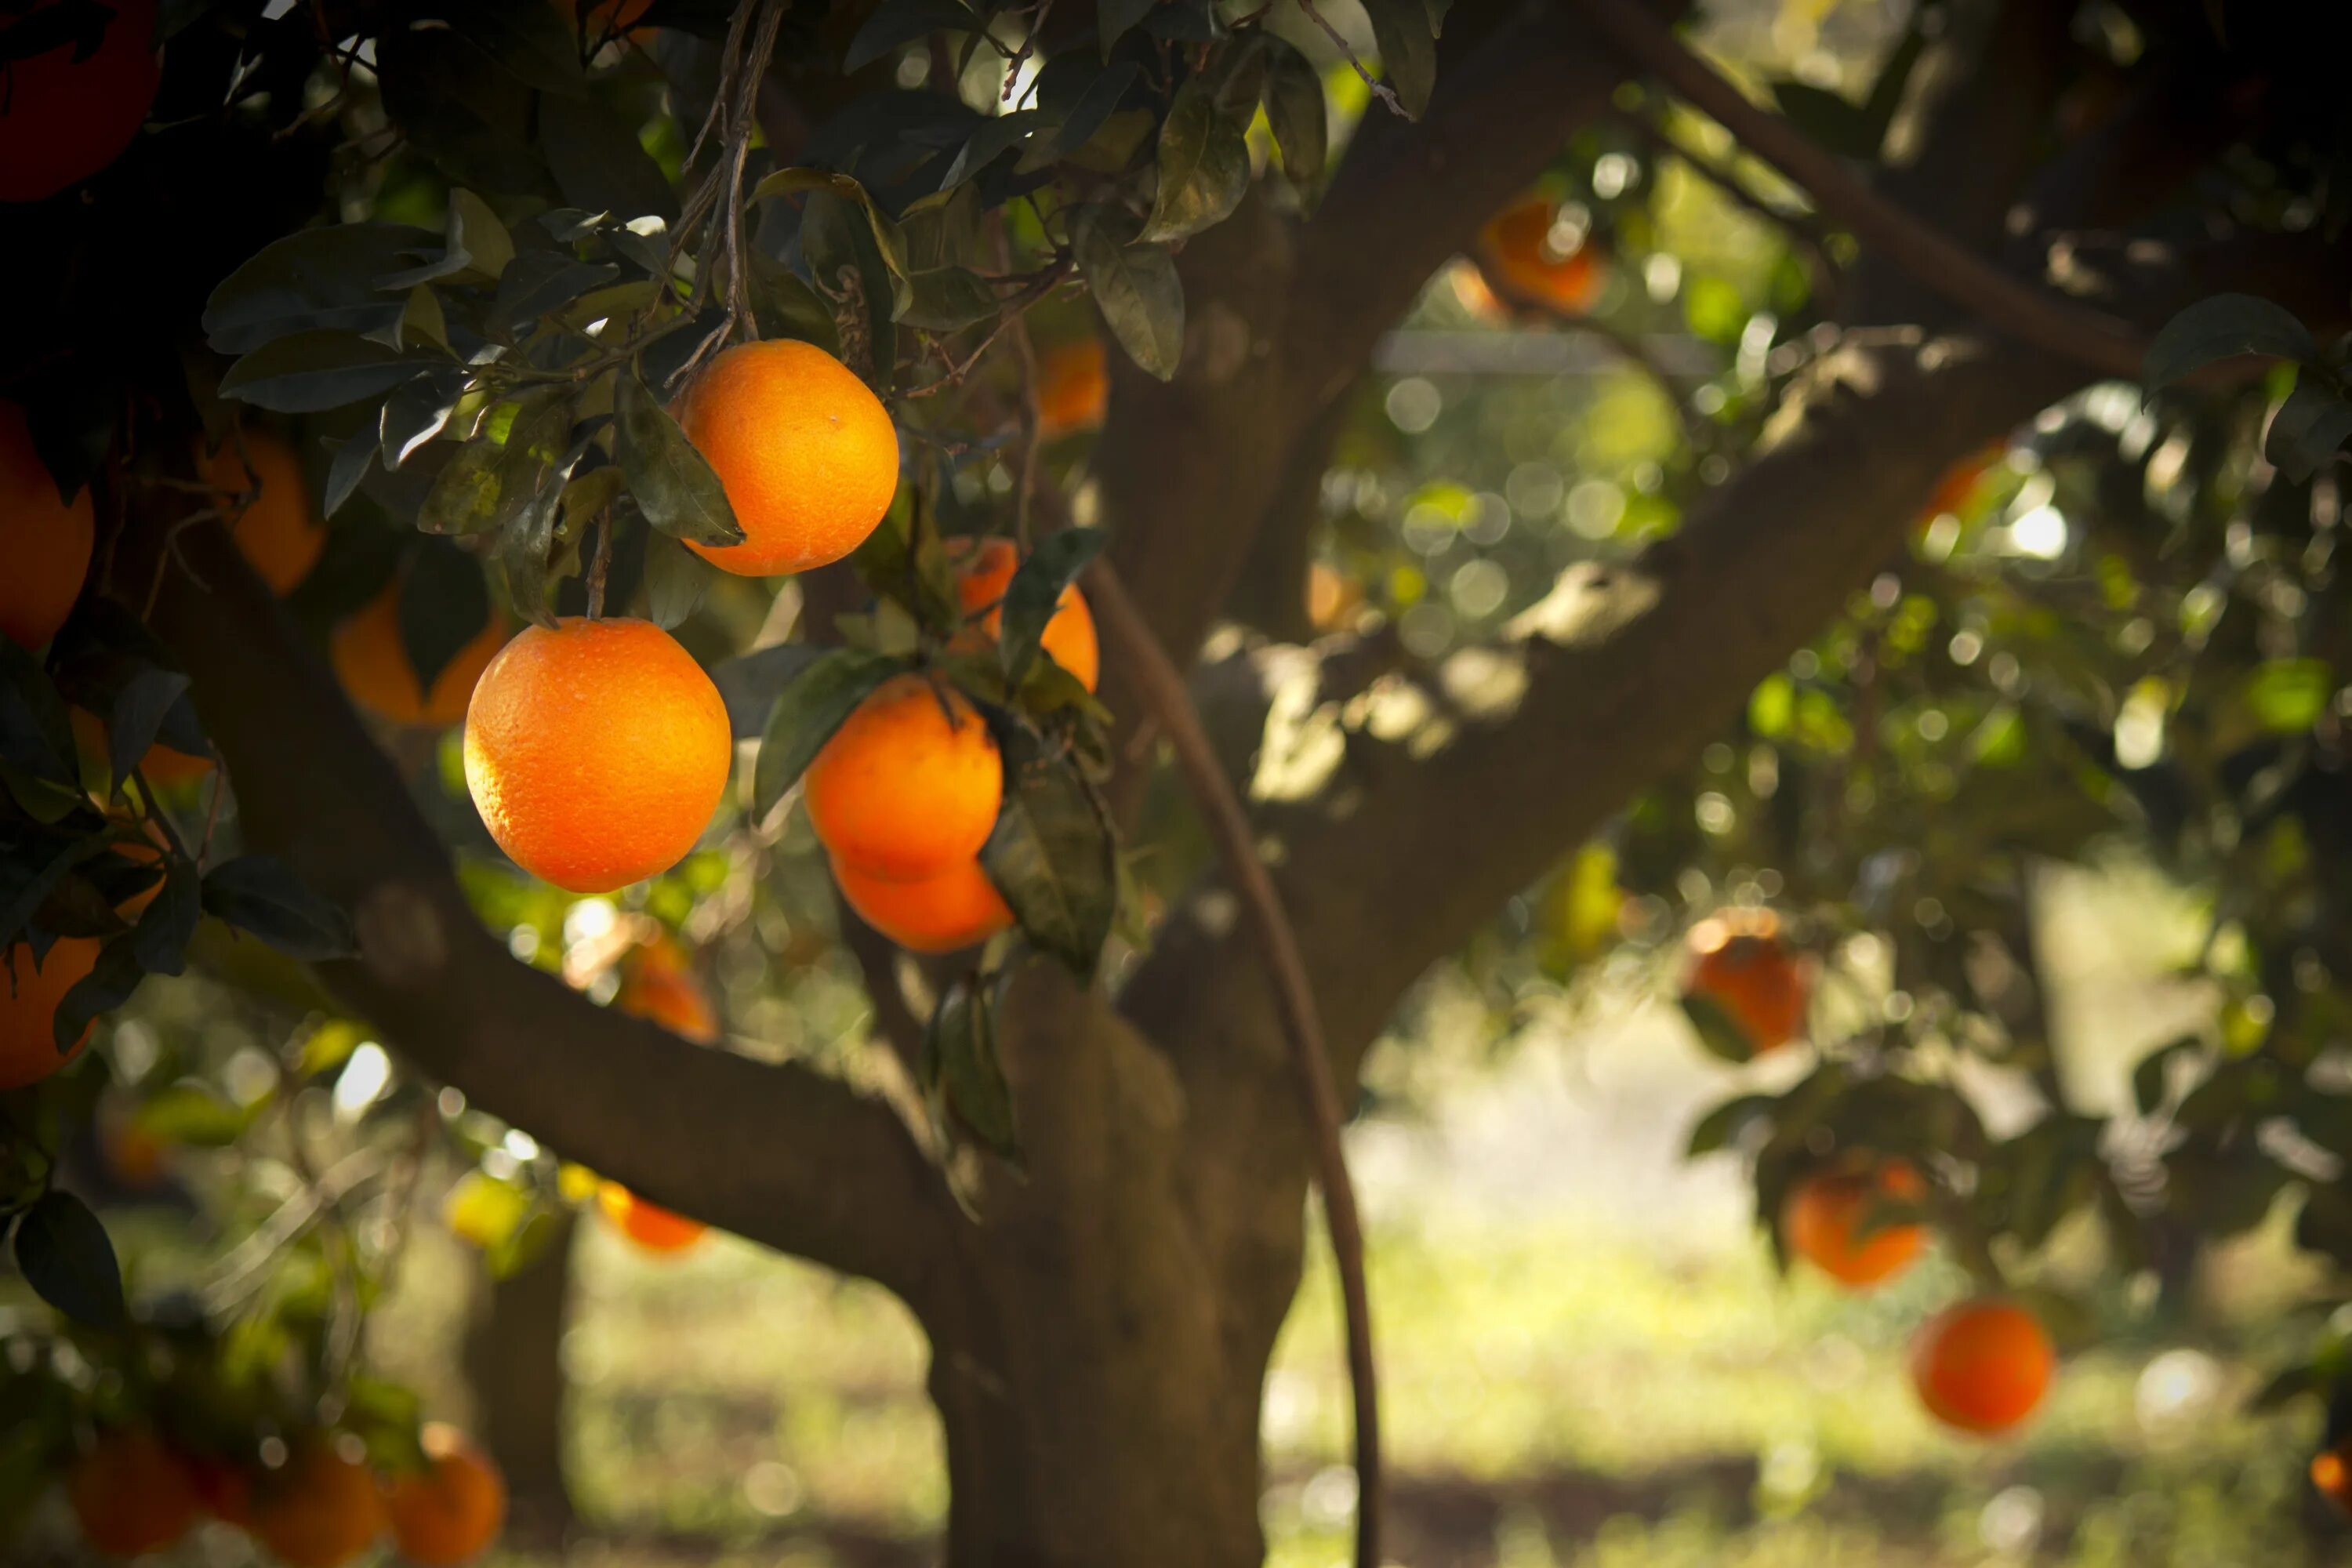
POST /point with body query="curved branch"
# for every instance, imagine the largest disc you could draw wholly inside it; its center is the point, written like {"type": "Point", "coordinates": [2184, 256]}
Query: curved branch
{"type": "Point", "coordinates": [778, 1152]}
{"type": "Point", "coordinates": [2003, 301]}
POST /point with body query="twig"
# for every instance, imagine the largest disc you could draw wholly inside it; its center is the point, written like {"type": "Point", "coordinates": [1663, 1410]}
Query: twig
{"type": "Point", "coordinates": [1025, 492]}
{"type": "Point", "coordinates": [1161, 687]}
{"type": "Point", "coordinates": [1028, 45]}
{"type": "Point", "coordinates": [600, 566]}
{"type": "Point", "coordinates": [2007, 303]}
{"type": "Point", "coordinates": [1380, 90]}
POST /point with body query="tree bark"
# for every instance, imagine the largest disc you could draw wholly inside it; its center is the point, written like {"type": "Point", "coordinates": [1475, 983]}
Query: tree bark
{"type": "Point", "coordinates": [513, 1360]}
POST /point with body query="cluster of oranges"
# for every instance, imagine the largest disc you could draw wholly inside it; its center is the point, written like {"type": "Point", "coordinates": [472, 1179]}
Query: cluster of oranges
{"type": "Point", "coordinates": [1980, 1366]}
{"type": "Point", "coordinates": [133, 1493]}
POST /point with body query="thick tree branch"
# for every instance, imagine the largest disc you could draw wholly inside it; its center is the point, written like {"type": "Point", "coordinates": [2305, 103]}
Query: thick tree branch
{"type": "Point", "coordinates": [779, 1153]}
{"type": "Point", "coordinates": [2004, 303]}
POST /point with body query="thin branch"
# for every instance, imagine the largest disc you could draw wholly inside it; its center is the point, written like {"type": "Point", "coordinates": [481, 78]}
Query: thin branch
{"type": "Point", "coordinates": [1380, 90]}
{"type": "Point", "coordinates": [1162, 689]}
{"type": "Point", "coordinates": [2005, 302]}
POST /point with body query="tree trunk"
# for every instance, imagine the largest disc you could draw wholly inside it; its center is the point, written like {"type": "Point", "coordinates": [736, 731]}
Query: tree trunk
{"type": "Point", "coordinates": [513, 1360]}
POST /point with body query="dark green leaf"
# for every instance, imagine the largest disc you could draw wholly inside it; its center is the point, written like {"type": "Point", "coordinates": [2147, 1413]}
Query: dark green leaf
{"type": "Point", "coordinates": [488, 483]}
{"type": "Point", "coordinates": [1408, 43]}
{"type": "Point", "coordinates": [749, 683]}
{"type": "Point", "coordinates": [35, 735]}
{"type": "Point", "coordinates": [961, 1045]}
{"type": "Point", "coordinates": [809, 709]}
{"type": "Point", "coordinates": [307, 372]}
{"type": "Point", "coordinates": [1087, 113]}
{"type": "Point", "coordinates": [66, 1258]}
{"type": "Point", "coordinates": [1051, 854]}
{"type": "Point", "coordinates": [139, 705]}
{"type": "Point", "coordinates": [159, 942]}
{"type": "Point", "coordinates": [2223, 327]}
{"type": "Point", "coordinates": [1035, 592]}
{"type": "Point", "coordinates": [1295, 111]}
{"type": "Point", "coordinates": [415, 414]}
{"type": "Point", "coordinates": [1135, 286]}
{"type": "Point", "coordinates": [841, 251]}
{"type": "Point", "coordinates": [107, 986]}
{"type": "Point", "coordinates": [994, 137]}
{"type": "Point", "coordinates": [1725, 1122]}
{"type": "Point", "coordinates": [260, 894]}
{"type": "Point", "coordinates": [674, 485]}
{"type": "Point", "coordinates": [1114, 18]}
{"type": "Point", "coordinates": [898, 22]}
{"type": "Point", "coordinates": [443, 606]}
{"type": "Point", "coordinates": [598, 162]}
{"type": "Point", "coordinates": [1717, 1030]}
{"type": "Point", "coordinates": [539, 282]}
{"type": "Point", "coordinates": [349, 466]}
{"type": "Point", "coordinates": [675, 579]}
{"type": "Point", "coordinates": [949, 298]}
{"type": "Point", "coordinates": [194, 1113]}
{"type": "Point", "coordinates": [1204, 166]}
{"type": "Point", "coordinates": [316, 280]}
{"type": "Point", "coordinates": [2309, 428]}
{"type": "Point", "coordinates": [477, 250]}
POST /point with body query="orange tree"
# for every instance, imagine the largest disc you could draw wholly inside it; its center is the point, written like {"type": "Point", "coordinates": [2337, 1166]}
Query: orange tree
{"type": "Point", "coordinates": [585, 327]}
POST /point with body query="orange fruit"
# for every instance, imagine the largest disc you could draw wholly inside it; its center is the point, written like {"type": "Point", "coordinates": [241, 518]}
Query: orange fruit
{"type": "Point", "coordinates": [985, 570]}
{"type": "Point", "coordinates": [162, 767]}
{"type": "Point", "coordinates": [1072, 387]}
{"type": "Point", "coordinates": [596, 751]}
{"type": "Point", "coordinates": [46, 541]}
{"type": "Point", "coordinates": [322, 1509]}
{"type": "Point", "coordinates": [1331, 599]}
{"type": "Point", "coordinates": [132, 1155]}
{"type": "Point", "coordinates": [1982, 1366]}
{"type": "Point", "coordinates": [29, 996]}
{"type": "Point", "coordinates": [1821, 1220]}
{"type": "Point", "coordinates": [651, 1226]}
{"type": "Point", "coordinates": [276, 531]}
{"type": "Point", "coordinates": [224, 1489]}
{"type": "Point", "coordinates": [909, 785]}
{"type": "Point", "coordinates": [1740, 963]}
{"type": "Point", "coordinates": [658, 983]}
{"type": "Point", "coordinates": [66, 114]}
{"type": "Point", "coordinates": [450, 1510]}
{"type": "Point", "coordinates": [130, 1494]}
{"type": "Point", "coordinates": [945, 912]}
{"type": "Point", "coordinates": [805, 449]}
{"type": "Point", "coordinates": [1515, 251]}
{"type": "Point", "coordinates": [2331, 1475]}
{"type": "Point", "coordinates": [372, 661]}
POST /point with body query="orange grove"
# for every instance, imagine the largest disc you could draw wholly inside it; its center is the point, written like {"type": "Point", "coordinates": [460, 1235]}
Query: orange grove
{"type": "Point", "coordinates": [985, 570]}
{"type": "Point", "coordinates": [275, 529]}
{"type": "Point", "coordinates": [1739, 961]}
{"type": "Point", "coordinates": [806, 451]}
{"type": "Point", "coordinates": [945, 912]}
{"type": "Point", "coordinates": [130, 1494]}
{"type": "Point", "coordinates": [372, 661]}
{"type": "Point", "coordinates": [658, 983]}
{"type": "Point", "coordinates": [651, 1226]}
{"type": "Point", "coordinates": [322, 1509]}
{"type": "Point", "coordinates": [65, 115]}
{"type": "Point", "coordinates": [1823, 1218]}
{"type": "Point", "coordinates": [1515, 249]}
{"type": "Point", "coordinates": [1072, 387]}
{"type": "Point", "coordinates": [596, 751]}
{"type": "Point", "coordinates": [447, 1512]}
{"type": "Point", "coordinates": [46, 541]}
{"type": "Point", "coordinates": [1982, 1366]}
{"type": "Point", "coordinates": [909, 784]}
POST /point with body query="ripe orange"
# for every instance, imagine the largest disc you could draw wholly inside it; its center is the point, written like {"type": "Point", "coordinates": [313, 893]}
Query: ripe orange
{"type": "Point", "coordinates": [449, 1512]}
{"type": "Point", "coordinates": [28, 1006]}
{"type": "Point", "coordinates": [909, 785]}
{"type": "Point", "coordinates": [277, 531]}
{"type": "Point", "coordinates": [130, 1494]}
{"type": "Point", "coordinates": [1072, 387]}
{"type": "Point", "coordinates": [46, 541]}
{"type": "Point", "coordinates": [658, 983]}
{"type": "Point", "coordinates": [1822, 1216]}
{"type": "Point", "coordinates": [162, 767]}
{"type": "Point", "coordinates": [651, 1226]}
{"type": "Point", "coordinates": [65, 115]}
{"type": "Point", "coordinates": [322, 1510]}
{"type": "Point", "coordinates": [805, 449]}
{"type": "Point", "coordinates": [596, 751]}
{"type": "Point", "coordinates": [1516, 253]}
{"type": "Point", "coordinates": [2331, 1475]}
{"type": "Point", "coordinates": [1982, 1366]}
{"type": "Point", "coordinates": [985, 570]}
{"type": "Point", "coordinates": [372, 661]}
{"type": "Point", "coordinates": [1740, 963]}
{"type": "Point", "coordinates": [946, 912]}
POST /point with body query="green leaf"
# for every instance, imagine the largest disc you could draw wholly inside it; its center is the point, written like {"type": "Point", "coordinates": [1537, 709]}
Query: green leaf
{"type": "Point", "coordinates": [107, 986]}
{"type": "Point", "coordinates": [1135, 286]}
{"type": "Point", "coordinates": [66, 1258]}
{"type": "Point", "coordinates": [307, 372]}
{"type": "Point", "coordinates": [1407, 39]}
{"type": "Point", "coordinates": [961, 1043]}
{"type": "Point", "coordinates": [478, 249]}
{"type": "Point", "coordinates": [2309, 428]}
{"type": "Point", "coordinates": [159, 942]}
{"type": "Point", "coordinates": [350, 466]}
{"type": "Point", "coordinates": [541, 281]}
{"type": "Point", "coordinates": [1717, 1030]}
{"type": "Point", "coordinates": [414, 415]}
{"type": "Point", "coordinates": [749, 683]}
{"type": "Point", "coordinates": [140, 704]}
{"type": "Point", "coordinates": [889, 245]}
{"type": "Point", "coordinates": [898, 22]}
{"type": "Point", "coordinates": [443, 606]}
{"type": "Point", "coordinates": [316, 280]}
{"type": "Point", "coordinates": [599, 164]}
{"type": "Point", "coordinates": [2223, 327]}
{"type": "Point", "coordinates": [1719, 1127]}
{"type": "Point", "coordinates": [194, 1113]}
{"type": "Point", "coordinates": [837, 244]}
{"type": "Point", "coordinates": [674, 486]}
{"type": "Point", "coordinates": [1204, 166]}
{"type": "Point", "coordinates": [490, 482]}
{"type": "Point", "coordinates": [949, 298]}
{"type": "Point", "coordinates": [1295, 111]}
{"type": "Point", "coordinates": [1051, 854]}
{"type": "Point", "coordinates": [261, 894]}
{"type": "Point", "coordinates": [676, 580]}
{"type": "Point", "coordinates": [809, 709]}
{"type": "Point", "coordinates": [1115, 18]}
{"type": "Point", "coordinates": [1035, 592]}
{"type": "Point", "coordinates": [2288, 695]}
